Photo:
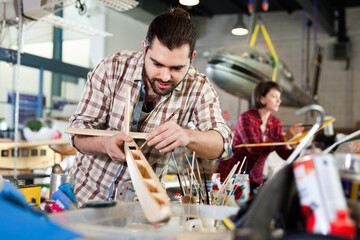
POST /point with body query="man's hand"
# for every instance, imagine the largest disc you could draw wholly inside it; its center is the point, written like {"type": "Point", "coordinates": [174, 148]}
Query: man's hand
{"type": "Point", "coordinates": [293, 130]}
{"type": "Point", "coordinates": [112, 146]}
{"type": "Point", "coordinates": [167, 137]}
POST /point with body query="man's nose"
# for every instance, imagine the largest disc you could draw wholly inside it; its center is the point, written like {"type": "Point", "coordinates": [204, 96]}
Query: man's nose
{"type": "Point", "coordinates": [165, 74]}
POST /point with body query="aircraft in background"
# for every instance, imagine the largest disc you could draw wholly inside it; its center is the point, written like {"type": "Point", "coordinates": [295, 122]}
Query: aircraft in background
{"type": "Point", "coordinates": [237, 69]}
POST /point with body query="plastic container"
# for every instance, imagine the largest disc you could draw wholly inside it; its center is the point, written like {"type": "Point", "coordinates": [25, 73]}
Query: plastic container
{"type": "Point", "coordinates": [56, 179]}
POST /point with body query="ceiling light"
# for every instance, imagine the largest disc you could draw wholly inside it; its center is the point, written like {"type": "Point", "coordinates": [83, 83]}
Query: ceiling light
{"type": "Point", "coordinates": [239, 29]}
{"type": "Point", "coordinates": [189, 2]}
{"type": "Point", "coordinates": [120, 5]}
{"type": "Point", "coordinates": [74, 26]}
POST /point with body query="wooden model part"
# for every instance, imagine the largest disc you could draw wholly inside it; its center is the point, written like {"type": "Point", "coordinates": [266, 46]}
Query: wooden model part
{"type": "Point", "coordinates": [151, 194]}
{"type": "Point", "coordinates": [30, 155]}
{"type": "Point", "coordinates": [294, 140]}
{"type": "Point", "coordinates": [97, 132]}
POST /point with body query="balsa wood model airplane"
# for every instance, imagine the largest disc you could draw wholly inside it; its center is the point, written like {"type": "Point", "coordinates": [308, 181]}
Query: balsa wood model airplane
{"type": "Point", "coordinates": [292, 141]}
{"type": "Point", "coordinates": [152, 196]}
{"type": "Point", "coordinates": [31, 155]}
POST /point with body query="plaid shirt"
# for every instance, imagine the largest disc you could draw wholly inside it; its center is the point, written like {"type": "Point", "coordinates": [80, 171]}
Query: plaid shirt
{"type": "Point", "coordinates": [96, 177]}
{"type": "Point", "coordinates": [248, 131]}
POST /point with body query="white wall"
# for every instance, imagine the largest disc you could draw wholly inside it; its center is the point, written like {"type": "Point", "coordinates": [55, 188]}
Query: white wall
{"type": "Point", "coordinates": [128, 32]}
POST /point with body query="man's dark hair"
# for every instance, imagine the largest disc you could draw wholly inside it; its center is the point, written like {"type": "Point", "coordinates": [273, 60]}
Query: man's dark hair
{"type": "Point", "coordinates": [173, 29]}
{"type": "Point", "coordinates": [261, 90]}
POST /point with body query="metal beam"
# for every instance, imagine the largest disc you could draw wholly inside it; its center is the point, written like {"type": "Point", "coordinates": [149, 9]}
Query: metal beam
{"type": "Point", "coordinates": [325, 15]}
{"type": "Point", "coordinates": [9, 55]}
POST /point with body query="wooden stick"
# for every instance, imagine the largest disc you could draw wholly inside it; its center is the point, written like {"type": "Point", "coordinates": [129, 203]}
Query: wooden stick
{"type": "Point", "coordinates": [266, 144]}
{"type": "Point", "coordinates": [201, 184]}
{"type": "Point", "coordinates": [104, 133]}
{"type": "Point", "coordinates": [206, 189]}
{"type": "Point", "coordinates": [190, 182]}
{"type": "Point", "coordinates": [192, 171]}
{"type": "Point", "coordinates": [178, 174]}
{"type": "Point", "coordinates": [185, 183]}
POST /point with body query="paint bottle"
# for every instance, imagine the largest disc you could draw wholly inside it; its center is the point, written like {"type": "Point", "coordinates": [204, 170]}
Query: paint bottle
{"type": "Point", "coordinates": [242, 189]}
{"type": "Point", "coordinates": [215, 178]}
{"type": "Point", "coordinates": [176, 198]}
{"type": "Point", "coordinates": [213, 192]}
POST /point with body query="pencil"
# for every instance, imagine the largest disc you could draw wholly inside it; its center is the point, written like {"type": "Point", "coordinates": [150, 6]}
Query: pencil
{"type": "Point", "coordinates": [168, 119]}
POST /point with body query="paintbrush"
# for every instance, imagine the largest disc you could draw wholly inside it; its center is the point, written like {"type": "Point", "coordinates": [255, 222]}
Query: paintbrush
{"type": "Point", "coordinates": [168, 119]}
{"type": "Point", "coordinates": [178, 174]}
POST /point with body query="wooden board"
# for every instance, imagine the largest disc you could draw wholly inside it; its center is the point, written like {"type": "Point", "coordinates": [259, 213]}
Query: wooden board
{"type": "Point", "coordinates": [96, 132]}
{"type": "Point", "coordinates": [152, 196]}
{"type": "Point", "coordinates": [292, 141]}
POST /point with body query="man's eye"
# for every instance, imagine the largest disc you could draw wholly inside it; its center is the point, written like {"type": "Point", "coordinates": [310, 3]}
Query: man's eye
{"type": "Point", "coordinates": [177, 68]}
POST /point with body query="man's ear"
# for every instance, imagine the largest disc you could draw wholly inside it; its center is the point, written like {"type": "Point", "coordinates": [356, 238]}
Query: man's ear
{"type": "Point", "coordinates": [193, 55]}
{"type": "Point", "coordinates": [144, 45]}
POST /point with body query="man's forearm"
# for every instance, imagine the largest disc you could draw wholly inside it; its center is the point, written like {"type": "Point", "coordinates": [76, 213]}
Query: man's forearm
{"type": "Point", "coordinates": [208, 145]}
{"type": "Point", "coordinates": [89, 144]}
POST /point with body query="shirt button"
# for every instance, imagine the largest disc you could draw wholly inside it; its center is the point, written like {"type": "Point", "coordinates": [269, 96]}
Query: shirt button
{"type": "Point", "coordinates": [116, 182]}
{"type": "Point", "coordinates": [141, 99]}
{"type": "Point", "coordinates": [134, 122]}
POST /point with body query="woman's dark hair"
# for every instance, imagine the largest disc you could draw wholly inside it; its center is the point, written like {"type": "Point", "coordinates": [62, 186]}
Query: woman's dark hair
{"type": "Point", "coordinates": [173, 29]}
{"type": "Point", "coordinates": [261, 90]}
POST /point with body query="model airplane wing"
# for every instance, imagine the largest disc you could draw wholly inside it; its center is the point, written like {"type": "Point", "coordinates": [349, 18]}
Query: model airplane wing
{"type": "Point", "coordinates": [96, 132]}
{"type": "Point", "coordinates": [292, 141]}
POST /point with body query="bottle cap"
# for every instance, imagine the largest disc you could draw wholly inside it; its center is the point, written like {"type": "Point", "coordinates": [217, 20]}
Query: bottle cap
{"type": "Point", "coordinates": [343, 226]}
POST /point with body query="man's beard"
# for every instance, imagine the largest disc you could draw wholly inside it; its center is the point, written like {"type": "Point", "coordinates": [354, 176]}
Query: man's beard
{"type": "Point", "coordinates": [152, 81]}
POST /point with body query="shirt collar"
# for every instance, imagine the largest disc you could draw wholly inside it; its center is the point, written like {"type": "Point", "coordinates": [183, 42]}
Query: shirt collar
{"type": "Point", "coordinates": [269, 121]}
{"type": "Point", "coordinates": [139, 68]}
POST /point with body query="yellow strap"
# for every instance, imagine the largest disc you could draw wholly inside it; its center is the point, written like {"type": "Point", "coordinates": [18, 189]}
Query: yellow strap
{"type": "Point", "coordinates": [254, 35]}
{"type": "Point", "coordinates": [272, 50]}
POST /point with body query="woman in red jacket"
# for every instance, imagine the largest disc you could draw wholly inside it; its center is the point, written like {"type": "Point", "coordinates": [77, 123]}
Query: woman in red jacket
{"type": "Point", "coordinates": [258, 125]}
